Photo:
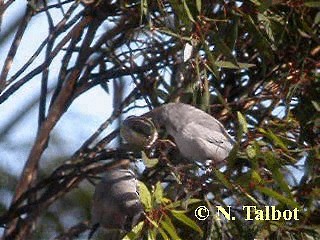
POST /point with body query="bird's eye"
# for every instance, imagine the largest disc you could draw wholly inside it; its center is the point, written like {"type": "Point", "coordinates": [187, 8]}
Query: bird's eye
{"type": "Point", "coordinates": [141, 125]}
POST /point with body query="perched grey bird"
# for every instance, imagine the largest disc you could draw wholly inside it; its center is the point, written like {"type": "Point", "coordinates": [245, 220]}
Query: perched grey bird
{"type": "Point", "coordinates": [198, 135]}
{"type": "Point", "coordinates": [116, 204]}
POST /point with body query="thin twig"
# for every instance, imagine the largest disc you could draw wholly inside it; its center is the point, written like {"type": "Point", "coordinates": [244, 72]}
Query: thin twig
{"type": "Point", "coordinates": [57, 5]}
{"type": "Point", "coordinates": [14, 47]}
{"type": "Point", "coordinates": [45, 74]}
{"type": "Point", "coordinates": [60, 105]}
{"type": "Point", "coordinates": [5, 95]}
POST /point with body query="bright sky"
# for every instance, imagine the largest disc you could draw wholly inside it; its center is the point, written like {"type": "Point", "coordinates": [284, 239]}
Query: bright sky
{"type": "Point", "coordinates": [78, 123]}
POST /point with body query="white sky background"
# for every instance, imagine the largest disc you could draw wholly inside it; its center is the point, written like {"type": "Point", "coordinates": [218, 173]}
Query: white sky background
{"type": "Point", "coordinates": [82, 119]}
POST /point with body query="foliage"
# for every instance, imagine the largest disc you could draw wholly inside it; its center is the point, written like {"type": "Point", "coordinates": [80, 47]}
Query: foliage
{"type": "Point", "coordinates": [160, 214]}
{"type": "Point", "coordinates": [251, 64]}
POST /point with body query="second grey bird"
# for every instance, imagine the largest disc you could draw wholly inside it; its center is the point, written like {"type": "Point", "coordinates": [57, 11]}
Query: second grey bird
{"type": "Point", "coordinates": [198, 135]}
{"type": "Point", "coordinates": [116, 203]}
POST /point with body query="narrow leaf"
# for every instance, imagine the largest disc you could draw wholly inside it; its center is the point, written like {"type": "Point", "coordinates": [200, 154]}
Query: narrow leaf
{"type": "Point", "coordinates": [230, 65]}
{"type": "Point", "coordinates": [222, 47]}
{"type": "Point", "coordinates": [243, 123]}
{"type": "Point", "coordinates": [185, 5]}
{"type": "Point", "coordinates": [170, 229]}
{"type": "Point", "coordinates": [273, 165]}
{"type": "Point", "coordinates": [260, 40]}
{"type": "Point", "coordinates": [315, 4]}
{"type": "Point", "coordinates": [163, 234]}
{"type": "Point", "coordinates": [187, 221]}
{"type": "Point", "coordinates": [152, 234]}
{"type": "Point", "coordinates": [158, 193]}
{"type": "Point", "coordinates": [198, 4]}
{"type": "Point", "coordinates": [274, 138]}
{"type": "Point", "coordinates": [145, 195]}
{"type": "Point", "coordinates": [223, 179]}
{"type": "Point", "coordinates": [149, 162]}
{"type": "Point", "coordinates": [251, 152]}
{"type": "Point", "coordinates": [135, 232]}
{"type": "Point", "coordinates": [281, 198]}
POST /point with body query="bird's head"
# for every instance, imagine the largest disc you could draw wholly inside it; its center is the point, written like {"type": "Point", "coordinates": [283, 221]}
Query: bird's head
{"type": "Point", "coordinates": [139, 132]}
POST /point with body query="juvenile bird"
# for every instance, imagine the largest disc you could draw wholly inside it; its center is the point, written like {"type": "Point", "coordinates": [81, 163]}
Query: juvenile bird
{"type": "Point", "coordinates": [198, 135]}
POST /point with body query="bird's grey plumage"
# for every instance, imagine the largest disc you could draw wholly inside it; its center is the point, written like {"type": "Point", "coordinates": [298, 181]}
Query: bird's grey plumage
{"type": "Point", "coordinates": [198, 135]}
{"type": "Point", "coordinates": [116, 203]}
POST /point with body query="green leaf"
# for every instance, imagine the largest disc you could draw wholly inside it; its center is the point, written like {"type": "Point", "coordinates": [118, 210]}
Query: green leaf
{"type": "Point", "coordinates": [178, 211]}
{"type": "Point", "coordinates": [222, 47]}
{"type": "Point", "coordinates": [256, 2]}
{"type": "Point", "coordinates": [187, 221]}
{"type": "Point", "coordinates": [211, 66]}
{"type": "Point", "coordinates": [135, 232]}
{"type": "Point", "coordinates": [163, 234]}
{"type": "Point", "coordinates": [316, 105]}
{"type": "Point", "coordinates": [223, 179]}
{"type": "Point", "coordinates": [260, 40]}
{"type": "Point", "coordinates": [148, 162]}
{"type": "Point", "coordinates": [317, 19]}
{"type": "Point", "coordinates": [180, 12]}
{"type": "Point", "coordinates": [203, 93]}
{"type": "Point", "coordinates": [256, 177]}
{"type": "Point", "coordinates": [280, 197]}
{"type": "Point", "coordinates": [233, 30]}
{"type": "Point", "coordinates": [158, 193]}
{"type": "Point", "coordinates": [251, 198]}
{"type": "Point", "coordinates": [233, 155]}
{"type": "Point", "coordinates": [262, 5]}
{"type": "Point", "coordinates": [230, 65]}
{"type": "Point", "coordinates": [152, 234]}
{"type": "Point", "coordinates": [192, 201]}
{"type": "Point", "coordinates": [145, 195]}
{"type": "Point", "coordinates": [185, 5]}
{"type": "Point", "coordinates": [143, 9]}
{"type": "Point", "coordinates": [267, 26]}
{"type": "Point", "coordinates": [152, 222]}
{"type": "Point", "coordinates": [173, 34]}
{"type": "Point", "coordinates": [315, 4]}
{"type": "Point", "coordinates": [170, 229]}
{"type": "Point", "coordinates": [274, 167]}
{"type": "Point", "coordinates": [275, 139]}
{"type": "Point", "coordinates": [243, 123]}
{"type": "Point", "coordinates": [198, 4]}
{"type": "Point", "coordinates": [186, 202]}
{"type": "Point", "coordinates": [251, 151]}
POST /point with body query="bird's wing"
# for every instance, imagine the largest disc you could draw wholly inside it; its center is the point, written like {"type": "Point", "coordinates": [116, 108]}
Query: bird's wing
{"type": "Point", "coordinates": [205, 143]}
{"type": "Point", "coordinates": [213, 134]}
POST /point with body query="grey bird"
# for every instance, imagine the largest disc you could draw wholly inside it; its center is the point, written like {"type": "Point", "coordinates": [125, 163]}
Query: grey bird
{"type": "Point", "coordinates": [198, 135]}
{"type": "Point", "coordinates": [116, 204]}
